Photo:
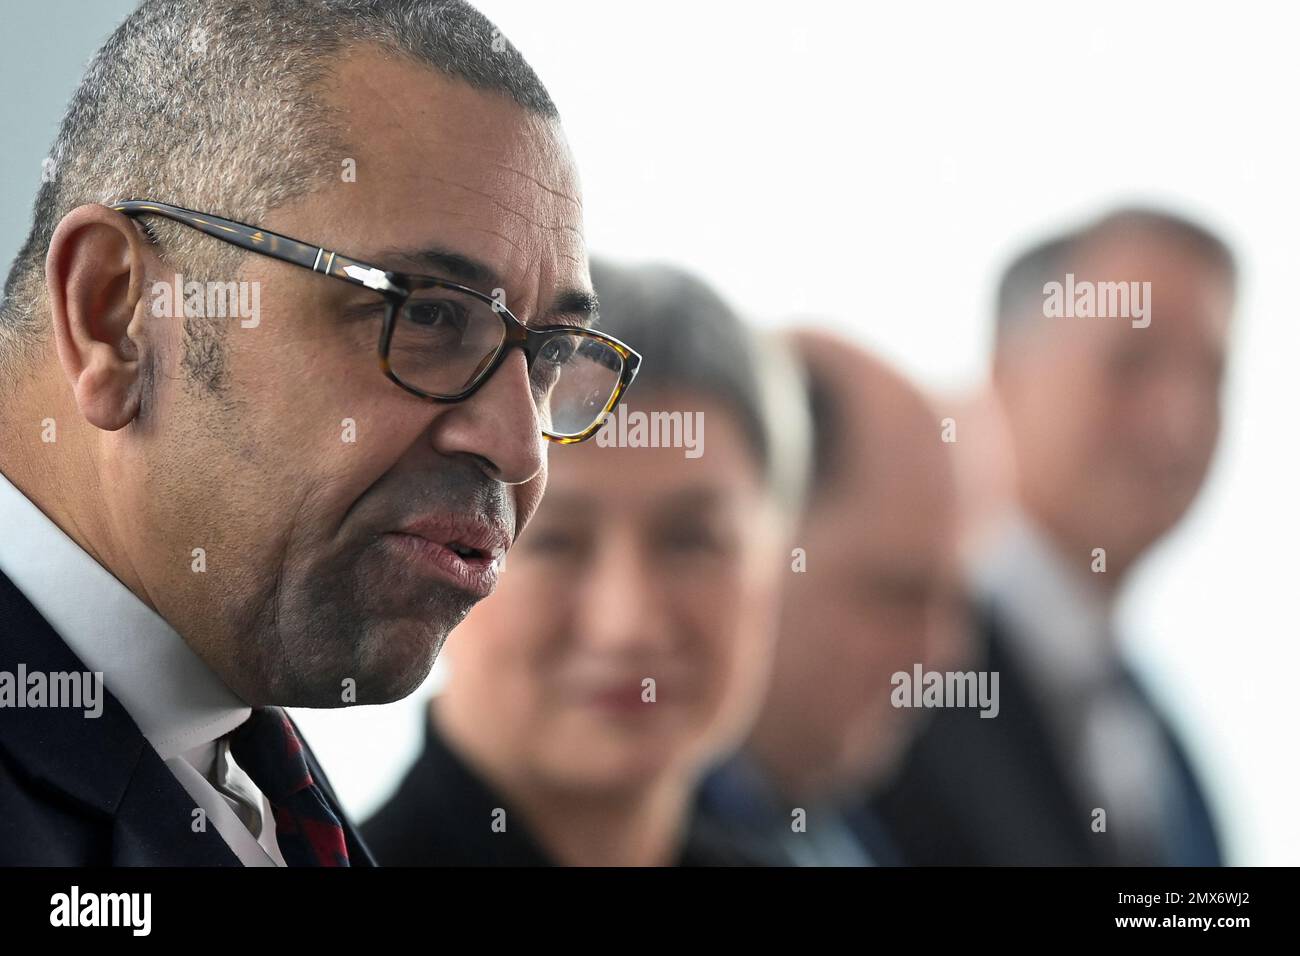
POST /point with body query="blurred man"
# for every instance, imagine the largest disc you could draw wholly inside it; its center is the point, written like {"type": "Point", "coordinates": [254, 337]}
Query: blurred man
{"type": "Point", "coordinates": [219, 518]}
{"type": "Point", "coordinates": [1111, 344]}
{"type": "Point", "coordinates": [874, 591]}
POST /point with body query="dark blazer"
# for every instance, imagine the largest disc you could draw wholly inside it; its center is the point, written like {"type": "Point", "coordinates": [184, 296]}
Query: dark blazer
{"type": "Point", "coordinates": [442, 811]}
{"type": "Point", "coordinates": [739, 800]}
{"type": "Point", "coordinates": [976, 791]}
{"type": "Point", "coordinates": [76, 791]}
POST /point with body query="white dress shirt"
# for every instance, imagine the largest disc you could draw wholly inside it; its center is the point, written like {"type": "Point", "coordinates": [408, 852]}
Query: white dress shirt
{"type": "Point", "coordinates": [179, 704]}
{"type": "Point", "coordinates": [1058, 625]}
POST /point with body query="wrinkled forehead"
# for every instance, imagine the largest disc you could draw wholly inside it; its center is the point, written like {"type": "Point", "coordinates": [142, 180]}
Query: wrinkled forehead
{"type": "Point", "coordinates": [438, 165]}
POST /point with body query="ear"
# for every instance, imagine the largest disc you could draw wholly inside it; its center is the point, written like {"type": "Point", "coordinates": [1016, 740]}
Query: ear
{"type": "Point", "coordinates": [94, 274]}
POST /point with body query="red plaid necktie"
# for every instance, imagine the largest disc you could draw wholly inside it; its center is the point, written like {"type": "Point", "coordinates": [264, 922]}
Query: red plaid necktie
{"type": "Point", "coordinates": [307, 831]}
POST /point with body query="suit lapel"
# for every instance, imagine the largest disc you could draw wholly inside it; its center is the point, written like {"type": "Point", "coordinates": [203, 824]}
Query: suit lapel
{"type": "Point", "coordinates": [1035, 790]}
{"type": "Point", "coordinates": [103, 764]}
{"type": "Point", "coordinates": [1193, 839]}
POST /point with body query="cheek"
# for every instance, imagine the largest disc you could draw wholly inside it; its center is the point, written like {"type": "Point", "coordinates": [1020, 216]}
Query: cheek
{"type": "Point", "coordinates": [732, 623]}
{"type": "Point", "coordinates": [1042, 425]}
{"type": "Point", "coordinates": [1201, 434]}
{"type": "Point", "coordinates": [1060, 410]}
{"type": "Point", "coordinates": [895, 630]}
{"type": "Point", "coordinates": [859, 651]}
{"type": "Point", "coordinates": [296, 410]}
{"type": "Point", "coordinates": [1207, 445]}
{"type": "Point", "coordinates": [528, 496]}
{"type": "Point", "coordinates": [846, 651]}
{"type": "Point", "coordinates": [888, 646]}
{"type": "Point", "coordinates": [813, 626]}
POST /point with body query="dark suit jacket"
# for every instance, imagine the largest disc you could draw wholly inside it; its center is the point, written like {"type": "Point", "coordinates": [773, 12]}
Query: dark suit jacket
{"type": "Point", "coordinates": [442, 811]}
{"type": "Point", "coordinates": [78, 791]}
{"type": "Point", "coordinates": [976, 791]}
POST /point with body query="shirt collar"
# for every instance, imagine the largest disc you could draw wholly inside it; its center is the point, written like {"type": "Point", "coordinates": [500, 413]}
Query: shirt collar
{"type": "Point", "coordinates": [175, 699]}
{"type": "Point", "coordinates": [1058, 620]}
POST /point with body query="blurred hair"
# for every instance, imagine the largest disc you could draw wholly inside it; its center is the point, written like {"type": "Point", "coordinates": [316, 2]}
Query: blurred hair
{"type": "Point", "coordinates": [1020, 291]}
{"type": "Point", "coordinates": [851, 392]}
{"type": "Point", "coordinates": [692, 340]}
{"type": "Point", "coordinates": [212, 105]}
{"type": "Point", "coordinates": [825, 407]}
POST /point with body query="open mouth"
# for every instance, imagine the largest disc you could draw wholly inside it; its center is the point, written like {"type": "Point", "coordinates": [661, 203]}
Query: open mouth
{"type": "Point", "coordinates": [463, 553]}
{"type": "Point", "coordinates": [465, 568]}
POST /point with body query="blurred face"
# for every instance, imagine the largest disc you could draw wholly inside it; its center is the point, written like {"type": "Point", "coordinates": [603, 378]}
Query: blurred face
{"type": "Point", "coordinates": [348, 525]}
{"type": "Point", "coordinates": [882, 593]}
{"type": "Point", "coordinates": [1114, 427]}
{"type": "Point", "coordinates": [640, 565]}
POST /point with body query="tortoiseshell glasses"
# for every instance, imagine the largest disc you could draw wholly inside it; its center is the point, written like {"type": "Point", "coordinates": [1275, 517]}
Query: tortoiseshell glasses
{"type": "Point", "coordinates": [442, 341]}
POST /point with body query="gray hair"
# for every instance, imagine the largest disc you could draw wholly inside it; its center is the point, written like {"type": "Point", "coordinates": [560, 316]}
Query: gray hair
{"type": "Point", "coordinates": [1020, 291]}
{"type": "Point", "coordinates": [691, 339]}
{"type": "Point", "coordinates": [211, 104]}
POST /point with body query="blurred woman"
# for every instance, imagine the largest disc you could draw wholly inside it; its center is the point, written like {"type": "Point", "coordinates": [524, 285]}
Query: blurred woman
{"type": "Point", "coordinates": [628, 645]}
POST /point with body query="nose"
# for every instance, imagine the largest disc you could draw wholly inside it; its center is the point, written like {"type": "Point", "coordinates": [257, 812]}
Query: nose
{"type": "Point", "coordinates": [622, 608]}
{"type": "Point", "coordinates": [498, 425]}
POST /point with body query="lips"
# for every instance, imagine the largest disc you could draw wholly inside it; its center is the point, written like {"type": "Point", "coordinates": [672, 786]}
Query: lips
{"type": "Point", "coordinates": [621, 698]}
{"type": "Point", "coordinates": [463, 552]}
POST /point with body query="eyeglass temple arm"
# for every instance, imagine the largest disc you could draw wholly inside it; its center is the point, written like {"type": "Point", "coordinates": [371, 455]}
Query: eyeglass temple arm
{"type": "Point", "coordinates": [284, 248]}
{"type": "Point", "coordinates": [315, 258]}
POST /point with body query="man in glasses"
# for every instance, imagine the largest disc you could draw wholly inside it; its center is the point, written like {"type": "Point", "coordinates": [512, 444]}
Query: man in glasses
{"type": "Point", "coordinates": [225, 517]}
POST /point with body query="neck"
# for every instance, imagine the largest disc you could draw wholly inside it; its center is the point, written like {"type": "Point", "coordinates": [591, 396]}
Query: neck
{"type": "Point", "coordinates": [644, 826]}
{"type": "Point", "coordinates": [47, 457]}
{"type": "Point", "coordinates": [1106, 584]}
{"type": "Point", "coordinates": [641, 825]}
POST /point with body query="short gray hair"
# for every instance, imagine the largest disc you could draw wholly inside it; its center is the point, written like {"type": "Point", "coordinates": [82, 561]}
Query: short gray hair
{"type": "Point", "coordinates": [691, 339]}
{"type": "Point", "coordinates": [210, 104]}
{"type": "Point", "coordinates": [1020, 291]}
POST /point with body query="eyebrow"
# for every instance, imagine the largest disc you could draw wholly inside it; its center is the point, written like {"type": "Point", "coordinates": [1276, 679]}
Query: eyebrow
{"type": "Point", "coordinates": [445, 263]}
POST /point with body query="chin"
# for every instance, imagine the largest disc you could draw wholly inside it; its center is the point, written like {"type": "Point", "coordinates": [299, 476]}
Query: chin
{"type": "Point", "coordinates": [395, 661]}
{"type": "Point", "coordinates": [636, 772]}
{"type": "Point", "coordinates": [384, 664]}
{"type": "Point", "coordinates": [613, 765]}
